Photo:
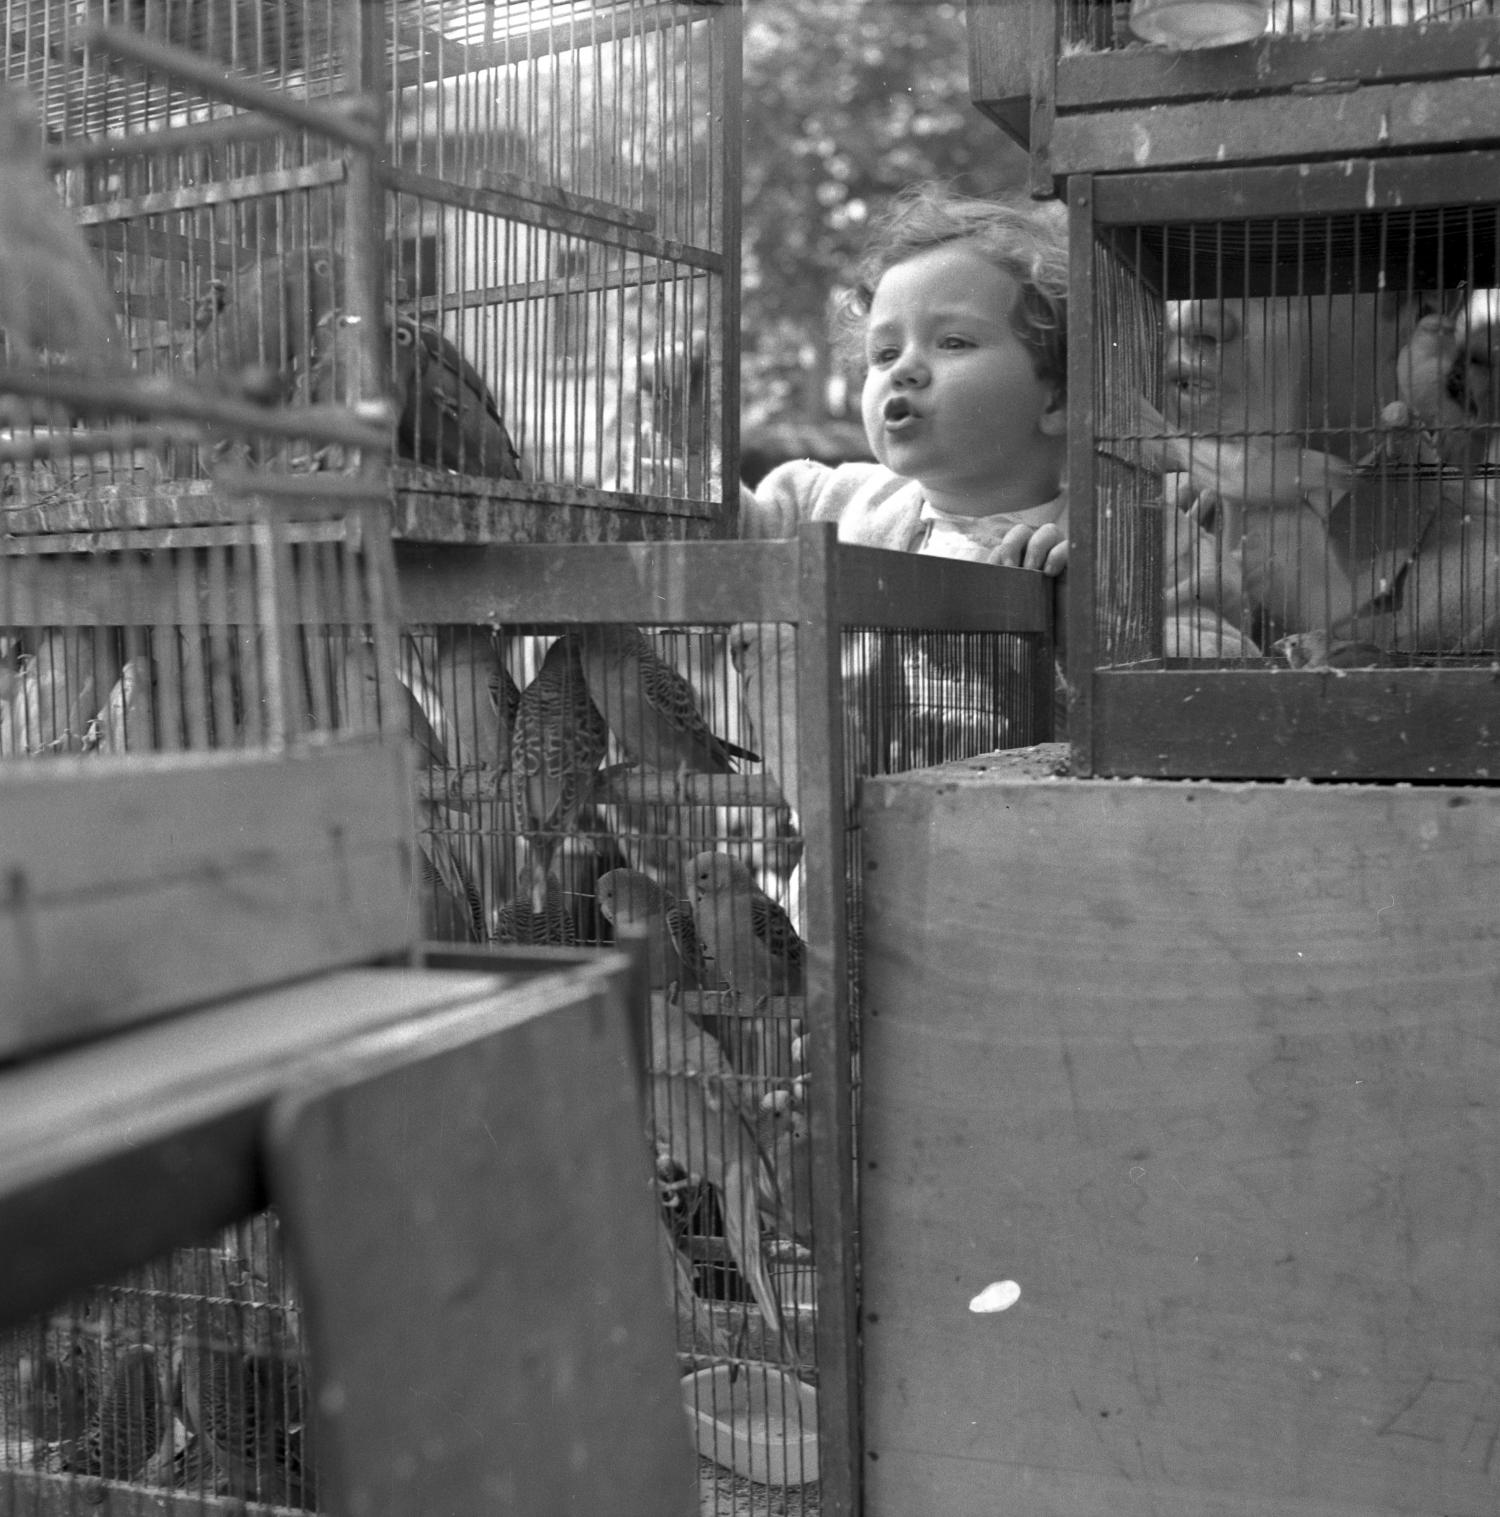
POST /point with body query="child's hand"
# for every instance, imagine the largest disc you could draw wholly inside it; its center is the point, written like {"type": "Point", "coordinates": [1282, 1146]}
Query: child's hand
{"type": "Point", "coordinates": [1043, 548]}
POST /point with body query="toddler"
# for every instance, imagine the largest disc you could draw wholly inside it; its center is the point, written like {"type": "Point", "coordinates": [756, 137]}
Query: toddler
{"type": "Point", "coordinates": [961, 306]}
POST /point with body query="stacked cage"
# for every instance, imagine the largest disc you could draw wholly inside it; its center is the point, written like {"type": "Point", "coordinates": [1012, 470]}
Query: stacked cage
{"type": "Point", "coordinates": [541, 241]}
{"type": "Point", "coordinates": [1079, 84]}
{"type": "Point", "coordinates": [667, 742]}
{"type": "Point", "coordinates": [175, 601]}
{"type": "Point", "coordinates": [206, 647]}
{"type": "Point", "coordinates": [1283, 420]}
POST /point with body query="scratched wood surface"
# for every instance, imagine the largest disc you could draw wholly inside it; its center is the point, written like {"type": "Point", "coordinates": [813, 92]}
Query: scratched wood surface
{"type": "Point", "coordinates": [1211, 1071]}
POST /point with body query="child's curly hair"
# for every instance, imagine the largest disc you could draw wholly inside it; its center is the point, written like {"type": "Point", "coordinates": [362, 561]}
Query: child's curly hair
{"type": "Point", "coordinates": [1027, 239]}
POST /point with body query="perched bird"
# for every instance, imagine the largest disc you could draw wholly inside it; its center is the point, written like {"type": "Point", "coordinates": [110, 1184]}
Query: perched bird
{"type": "Point", "coordinates": [523, 922]}
{"type": "Point", "coordinates": [447, 416]}
{"type": "Point", "coordinates": [479, 698]}
{"type": "Point", "coordinates": [246, 1395]}
{"type": "Point", "coordinates": [132, 1416]}
{"type": "Point", "coordinates": [676, 956]}
{"type": "Point", "coordinates": [558, 741]}
{"type": "Point", "coordinates": [700, 1123]}
{"type": "Point", "coordinates": [1318, 650]}
{"type": "Point", "coordinates": [765, 653]}
{"type": "Point", "coordinates": [785, 1137]}
{"type": "Point", "coordinates": [59, 1399]}
{"type": "Point", "coordinates": [752, 949]}
{"type": "Point", "coordinates": [651, 708]}
{"type": "Point", "coordinates": [255, 330]}
{"type": "Point", "coordinates": [57, 692]}
{"type": "Point", "coordinates": [749, 940]}
{"type": "Point", "coordinates": [452, 900]}
{"type": "Point", "coordinates": [53, 293]}
{"type": "Point", "coordinates": [477, 701]}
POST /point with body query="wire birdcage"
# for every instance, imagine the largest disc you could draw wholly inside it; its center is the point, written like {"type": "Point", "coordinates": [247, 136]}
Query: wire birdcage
{"type": "Point", "coordinates": [537, 268]}
{"type": "Point", "coordinates": [1286, 440]}
{"type": "Point", "coordinates": [671, 740]}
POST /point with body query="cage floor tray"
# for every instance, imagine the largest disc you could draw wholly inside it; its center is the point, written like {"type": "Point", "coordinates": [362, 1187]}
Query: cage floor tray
{"type": "Point", "coordinates": [758, 1421]}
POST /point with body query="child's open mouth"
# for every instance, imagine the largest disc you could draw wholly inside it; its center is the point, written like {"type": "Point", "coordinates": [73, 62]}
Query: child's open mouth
{"type": "Point", "coordinates": [897, 413]}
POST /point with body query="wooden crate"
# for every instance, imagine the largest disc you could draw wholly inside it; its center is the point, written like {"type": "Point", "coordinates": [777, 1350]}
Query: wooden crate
{"type": "Point", "coordinates": [1209, 1071]}
{"type": "Point", "coordinates": [1066, 81]}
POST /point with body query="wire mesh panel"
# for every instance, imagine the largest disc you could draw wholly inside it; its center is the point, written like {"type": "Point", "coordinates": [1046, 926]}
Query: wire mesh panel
{"type": "Point", "coordinates": [562, 210]}
{"type": "Point", "coordinates": [1288, 455]}
{"type": "Point", "coordinates": [671, 742]}
{"type": "Point", "coordinates": [187, 1376]}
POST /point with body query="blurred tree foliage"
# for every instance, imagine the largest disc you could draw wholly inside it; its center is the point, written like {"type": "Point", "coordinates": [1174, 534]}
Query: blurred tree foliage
{"type": "Point", "coordinates": [846, 101]}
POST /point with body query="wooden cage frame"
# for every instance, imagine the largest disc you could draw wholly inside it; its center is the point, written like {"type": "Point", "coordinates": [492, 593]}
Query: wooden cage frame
{"type": "Point", "coordinates": [1387, 723]}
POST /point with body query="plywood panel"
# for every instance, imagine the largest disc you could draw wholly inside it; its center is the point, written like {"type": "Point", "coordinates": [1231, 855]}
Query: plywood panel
{"type": "Point", "coordinates": [135, 888]}
{"type": "Point", "coordinates": [474, 1227]}
{"type": "Point", "coordinates": [1210, 1071]}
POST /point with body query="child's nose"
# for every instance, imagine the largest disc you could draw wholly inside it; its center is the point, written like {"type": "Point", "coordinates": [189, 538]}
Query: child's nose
{"type": "Point", "coordinates": [909, 369]}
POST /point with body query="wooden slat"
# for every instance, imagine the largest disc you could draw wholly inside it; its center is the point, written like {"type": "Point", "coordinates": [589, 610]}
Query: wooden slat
{"type": "Point", "coordinates": [1393, 724]}
{"type": "Point", "coordinates": [1306, 189]}
{"type": "Point", "coordinates": [1210, 1072]}
{"type": "Point", "coordinates": [1371, 118]}
{"type": "Point", "coordinates": [902, 590]}
{"type": "Point", "coordinates": [1280, 64]}
{"type": "Point", "coordinates": [481, 1189]}
{"type": "Point", "coordinates": [114, 1152]}
{"type": "Point", "coordinates": [198, 877]}
{"type": "Point", "coordinates": [657, 582]}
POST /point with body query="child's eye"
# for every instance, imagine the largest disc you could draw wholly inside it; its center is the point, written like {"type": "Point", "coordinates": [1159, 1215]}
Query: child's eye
{"type": "Point", "coordinates": [953, 340]}
{"type": "Point", "coordinates": [883, 355]}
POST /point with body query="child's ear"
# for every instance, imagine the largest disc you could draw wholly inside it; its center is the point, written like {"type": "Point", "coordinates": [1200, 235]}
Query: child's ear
{"type": "Point", "coordinates": [1054, 420]}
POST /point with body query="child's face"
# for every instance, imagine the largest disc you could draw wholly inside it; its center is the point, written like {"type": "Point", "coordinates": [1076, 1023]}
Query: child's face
{"type": "Point", "coordinates": [952, 397]}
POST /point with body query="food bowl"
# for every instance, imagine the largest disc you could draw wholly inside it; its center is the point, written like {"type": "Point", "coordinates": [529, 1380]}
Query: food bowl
{"type": "Point", "coordinates": [756, 1420]}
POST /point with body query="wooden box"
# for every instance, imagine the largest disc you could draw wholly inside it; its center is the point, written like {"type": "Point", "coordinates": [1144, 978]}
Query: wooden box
{"type": "Point", "coordinates": [1209, 1072]}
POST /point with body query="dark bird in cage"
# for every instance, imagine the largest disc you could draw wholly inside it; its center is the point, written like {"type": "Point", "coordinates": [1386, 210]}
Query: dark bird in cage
{"type": "Point", "coordinates": [133, 1415]}
{"type": "Point", "coordinates": [1318, 649]}
{"type": "Point", "coordinates": [256, 329]}
{"type": "Point", "coordinates": [749, 940]}
{"type": "Point", "coordinates": [651, 708]}
{"type": "Point", "coordinates": [557, 744]}
{"type": "Point", "coordinates": [525, 922]}
{"type": "Point", "coordinates": [244, 1392]}
{"type": "Point", "coordinates": [785, 1137]}
{"type": "Point", "coordinates": [699, 1123]}
{"type": "Point", "coordinates": [53, 294]}
{"type": "Point", "coordinates": [59, 1399]}
{"type": "Point", "coordinates": [628, 897]}
{"type": "Point", "coordinates": [447, 415]}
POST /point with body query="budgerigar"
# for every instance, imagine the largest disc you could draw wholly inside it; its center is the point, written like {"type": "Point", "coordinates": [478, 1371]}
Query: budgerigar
{"type": "Point", "coordinates": [700, 1120]}
{"type": "Point", "coordinates": [749, 940]}
{"type": "Point", "coordinates": [752, 949]}
{"type": "Point", "coordinates": [132, 1415]}
{"type": "Point", "coordinates": [676, 956]}
{"type": "Point", "coordinates": [558, 742]}
{"type": "Point", "coordinates": [786, 1139]}
{"type": "Point", "coordinates": [651, 708]}
{"type": "Point", "coordinates": [248, 1398]}
{"type": "Point", "coordinates": [1445, 386]}
{"type": "Point", "coordinates": [765, 653]}
{"type": "Point", "coordinates": [53, 293]}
